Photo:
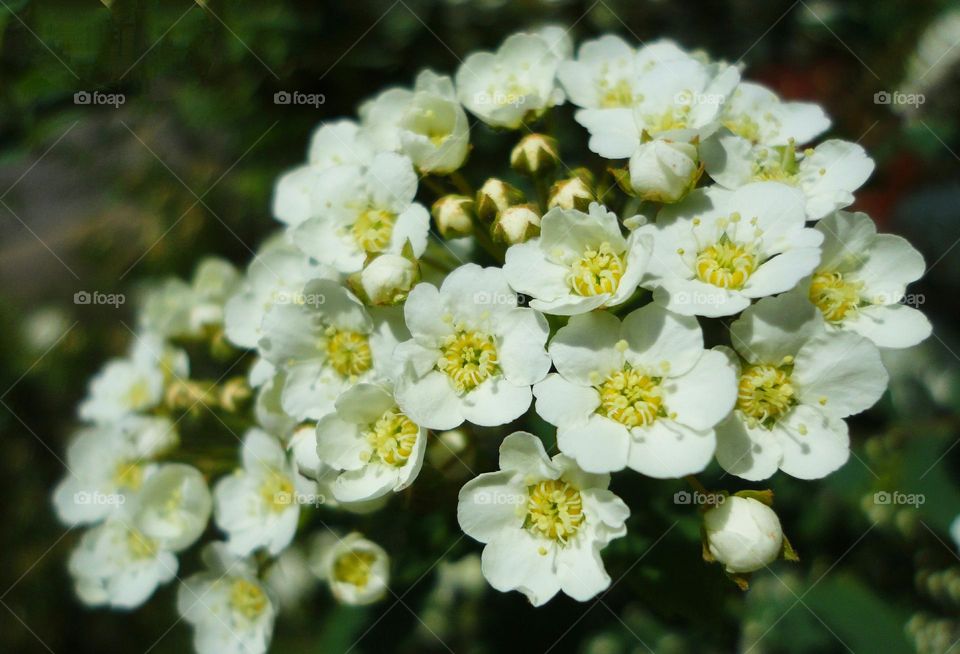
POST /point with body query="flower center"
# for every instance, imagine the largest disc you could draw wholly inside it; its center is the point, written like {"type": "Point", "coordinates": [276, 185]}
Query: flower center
{"type": "Point", "coordinates": [138, 395]}
{"type": "Point", "coordinates": [468, 358]}
{"type": "Point", "coordinates": [631, 398]}
{"type": "Point", "coordinates": [373, 230]}
{"type": "Point", "coordinates": [744, 126]}
{"type": "Point", "coordinates": [597, 271]}
{"type": "Point", "coordinates": [354, 568]}
{"type": "Point", "coordinates": [778, 165]}
{"type": "Point", "coordinates": [247, 598]}
{"type": "Point", "coordinates": [765, 394]}
{"type": "Point", "coordinates": [672, 118]}
{"type": "Point", "coordinates": [348, 352]}
{"type": "Point", "coordinates": [392, 438]}
{"type": "Point", "coordinates": [128, 474]}
{"type": "Point", "coordinates": [140, 546]}
{"type": "Point", "coordinates": [277, 491]}
{"type": "Point", "coordinates": [615, 95]}
{"type": "Point", "coordinates": [726, 264]}
{"type": "Point", "coordinates": [836, 297]}
{"type": "Point", "coordinates": [554, 509]}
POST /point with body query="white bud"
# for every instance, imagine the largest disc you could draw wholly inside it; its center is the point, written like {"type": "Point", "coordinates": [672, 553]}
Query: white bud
{"type": "Point", "coordinates": [573, 193]}
{"type": "Point", "coordinates": [494, 196]}
{"type": "Point", "coordinates": [516, 224]}
{"type": "Point", "coordinates": [743, 534]}
{"type": "Point", "coordinates": [534, 154]}
{"type": "Point", "coordinates": [173, 506]}
{"type": "Point", "coordinates": [664, 171]}
{"type": "Point", "coordinates": [453, 215]}
{"type": "Point", "coordinates": [388, 279]}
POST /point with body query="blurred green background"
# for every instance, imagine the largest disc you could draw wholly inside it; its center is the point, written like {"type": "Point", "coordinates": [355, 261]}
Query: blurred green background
{"type": "Point", "coordinates": [104, 198]}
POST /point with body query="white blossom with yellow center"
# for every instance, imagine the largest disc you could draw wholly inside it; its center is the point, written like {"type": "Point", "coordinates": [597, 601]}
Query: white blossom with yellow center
{"type": "Point", "coordinates": [860, 285]}
{"type": "Point", "coordinates": [717, 250]}
{"type": "Point", "coordinates": [826, 175]}
{"type": "Point", "coordinates": [323, 343]}
{"type": "Point", "coordinates": [474, 352]}
{"type": "Point", "coordinates": [229, 608]}
{"type": "Point", "coordinates": [375, 448]}
{"type": "Point", "coordinates": [257, 506]}
{"type": "Point", "coordinates": [580, 262]}
{"type": "Point", "coordinates": [797, 382]}
{"type": "Point", "coordinates": [117, 566]}
{"type": "Point", "coordinates": [357, 211]}
{"type": "Point", "coordinates": [542, 520]}
{"type": "Point", "coordinates": [757, 114]}
{"type": "Point", "coordinates": [516, 83]}
{"type": "Point", "coordinates": [643, 393]}
{"type": "Point", "coordinates": [357, 569]}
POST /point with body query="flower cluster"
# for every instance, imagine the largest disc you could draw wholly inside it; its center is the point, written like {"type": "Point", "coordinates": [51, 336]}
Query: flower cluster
{"type": "Point", "coordinates": [701, 296]}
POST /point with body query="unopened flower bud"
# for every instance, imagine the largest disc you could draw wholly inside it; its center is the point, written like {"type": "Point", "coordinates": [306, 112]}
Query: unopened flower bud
{"type": "Point", "coordinates": [453, 215]}
{"type": "Point", "coordinates": [386, 280]}
{"type": "Point", "coordinates": [573, 193]}
{"type": "Point", "coordinates": [516, 224]}
{"type": "Point", "coordinates": [664, 171]}
{"type": "Point", "coordinates": [534, 154]}
{"type": "Point", "coordinates": [743, 534]}
{"type": "Point", "coordinates": [494, 196]}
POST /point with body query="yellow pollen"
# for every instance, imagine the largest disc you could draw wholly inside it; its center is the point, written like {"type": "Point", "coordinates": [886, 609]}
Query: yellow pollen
{"type": "Point", "coordinates": [468, 358]}
{"type": "Point", "coordinates": [373, 229]}
{"type": "Point", "coordinates": [348, 352]}
{"type": "Point", "coordinates": [631, 398]}
{"type": "Point", "coordinates": [726, 264]}
{"type": "Point", "coordinates": [392, 438]}
{"type": "Point", "coordinates": [554, 509]}
{"type": "Point", "coordinates": [354, 568]}
{"type": "Point", "coordinates": [277, 491]}
{"type": "Point", "coordinates": [247, 598]}
{"type": "Point", "coordinates": [597, 271]}
{"type": "Point", "coordinates": [128, 475]}
{"type": "Point", "coordinates": [834, 296]}
{"type": "Point", "coordinates": [744, 126]}
{"type": "Point", "coordinates": [616, 95]}
{"type": "Point", "coordinates": [139, 545]}
{"type": "Point", "coordinates": [765, 394]}
{"type": "Point", "coordinates": [672, 118]}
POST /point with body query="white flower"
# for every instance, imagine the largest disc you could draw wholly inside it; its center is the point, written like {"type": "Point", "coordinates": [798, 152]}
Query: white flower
{"type": "Point", "coordinates": [229, 608]}
{"type": "Point", "coordinates": [256, 504]}
{"type": "Point", "coordinates": [116, 565]}
{"type": "Point", "coordinates": [180, 309]}
{"type": "Point", "coordinates": [135, 383]}
{"type": "Point", "coordinates": [827, 174]}
{"type": "Point", "coordinates": [106, 464]}
{"type": "Point", "coordinates": [173, 506]}
{"type": "Point", "coordinates": [797, 383]}
{"type": "Point", "coordinates": [862, 279]}
{"type": "Point", "coordinates": [277, 274]}
{"type": "Point", "coordinates": [333, 144]}
{"type": "Point", "coordinates": [434, 131]}
{"type": "Point", "coordinates": [376, 446]}
{"type": "Point", "coordinates": [268, 406]}
{"type": "Point", "coordinates": [717, 250]}
{"type": "Point", "coordinates": [757, 114]}
{"type": "Point", "coordinates": [357, 569]}
{"type": "Point", "coordinates": [579, 263]}
{"type": "Point", "coordinates": [743, 534]}
{"type": "Point", "coordinates": [543, 522]}
{"type": "Point", "coordinates": [381, 115]}
{"type": "Point", "coordinates": [663, 170]}
{"type": "Point", "coordinates": [359, 211]}
{"type": "Point", "coordinates": [513, 85]}
{"type": "Point", "coordinates": [673, 96]}
{"type": "Point", "coordinates": [323, 345]}
{"type": "Point", "coordinates": [388, 279]}
{"type": "Point", "coordinates": [642, 393]}
{"type": "Point", "coordinates": [474, 353]}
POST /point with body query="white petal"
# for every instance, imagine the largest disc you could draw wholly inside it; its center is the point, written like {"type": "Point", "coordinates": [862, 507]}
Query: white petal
{"type": "Point", "coordinates": [705, 394]}
{"type": "Point", "coordinates": [523, 337]}
{"type": "Point", "coordinates": [511, 561]}
{"type": "Point", "coordinates": [490, 504]}
{"type": "Point", "coordinates": [583, 350]}
{"type": "Point", "coordinates": [667, 449]}
{"type": "Point", "coordinates": [522, 452]}
{"type": "Point", "coordinates": [496, 402]}
{"type": "Point", "coordinates": [894, 326]}
{"type": "Point", "coordinates": [775, 327]}
{"type": "Point", "coordinates": [561, 402]}
{"type": "Point", "coordinates": [752, 454]}
{"type": "Point", "coordinates": [814, 445]}
{"type": "Point", "coordinates": [655, 335]}
{"type": "Point", "coordinates": [782, 272]}
{"type": "Point", "coordinates": [839, 372]}
{"type": "Point", "coordinates": [430, 401]}
{"type": "Point", "coordinates": [340, 444]}
{"type": "Point", "coordinates": [597, 445]}
{"type": "Point", "coordinates": [367, 483]}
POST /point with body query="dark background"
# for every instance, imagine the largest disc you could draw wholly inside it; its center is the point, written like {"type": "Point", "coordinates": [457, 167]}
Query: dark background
{"type": "Point", "coordinates": [103, 198]}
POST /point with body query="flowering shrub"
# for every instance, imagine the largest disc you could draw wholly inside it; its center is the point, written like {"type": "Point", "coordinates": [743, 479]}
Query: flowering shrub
{"type": "Point", "coordinates": [689, 290]}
